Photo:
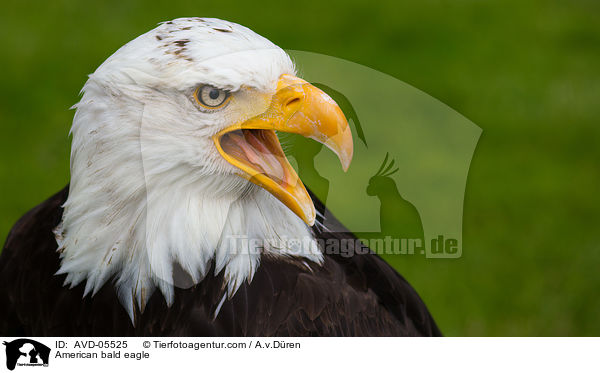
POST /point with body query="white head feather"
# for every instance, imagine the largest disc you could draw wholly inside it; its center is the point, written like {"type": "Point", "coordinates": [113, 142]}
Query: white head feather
{"type": "Point", "coordinates": [149, 192]}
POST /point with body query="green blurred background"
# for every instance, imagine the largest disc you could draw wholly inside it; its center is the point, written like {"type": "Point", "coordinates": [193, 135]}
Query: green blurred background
{"type": "Point", "coordinates": [526, 72]}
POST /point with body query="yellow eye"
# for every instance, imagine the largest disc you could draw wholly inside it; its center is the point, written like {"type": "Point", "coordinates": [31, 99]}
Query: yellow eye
{"type": "Point", "coordinates": [211, 97]}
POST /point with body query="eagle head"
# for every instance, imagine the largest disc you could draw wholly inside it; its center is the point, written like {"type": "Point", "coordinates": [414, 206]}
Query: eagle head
{"type": "Point", "coordinates": [176, 167]}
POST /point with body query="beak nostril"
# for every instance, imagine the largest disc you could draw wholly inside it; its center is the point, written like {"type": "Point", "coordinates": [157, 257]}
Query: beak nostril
{"type": "Point", "coordinates": [292, 102]}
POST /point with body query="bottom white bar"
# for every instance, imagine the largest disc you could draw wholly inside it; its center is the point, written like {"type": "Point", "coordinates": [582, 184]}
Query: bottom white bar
{"type": "Point", "coordinates": [300, 354]}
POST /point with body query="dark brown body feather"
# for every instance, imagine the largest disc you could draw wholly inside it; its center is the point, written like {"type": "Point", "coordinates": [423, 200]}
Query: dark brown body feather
{"type": "Point", "coordinates": [354, 295]}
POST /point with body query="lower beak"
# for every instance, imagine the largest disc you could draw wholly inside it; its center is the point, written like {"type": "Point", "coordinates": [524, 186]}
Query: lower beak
{"type": "Point", "coordinates": [253, 147]}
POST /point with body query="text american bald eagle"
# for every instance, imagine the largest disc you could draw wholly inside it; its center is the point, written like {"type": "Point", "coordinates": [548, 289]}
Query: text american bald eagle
{"type": "Point", "coordinates": [174, 152]}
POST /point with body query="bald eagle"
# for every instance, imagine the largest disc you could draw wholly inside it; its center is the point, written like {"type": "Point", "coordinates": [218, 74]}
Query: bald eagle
{"type": "Point", "coordinates": [183, 215]}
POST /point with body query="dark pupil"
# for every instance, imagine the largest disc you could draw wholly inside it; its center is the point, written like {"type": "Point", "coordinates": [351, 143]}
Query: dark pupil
{"type": "Point", "coordinates": [213, 94]}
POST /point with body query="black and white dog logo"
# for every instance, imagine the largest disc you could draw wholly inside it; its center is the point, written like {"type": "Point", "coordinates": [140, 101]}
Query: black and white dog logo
{"type": "Point", "coordinates": [26, 352]}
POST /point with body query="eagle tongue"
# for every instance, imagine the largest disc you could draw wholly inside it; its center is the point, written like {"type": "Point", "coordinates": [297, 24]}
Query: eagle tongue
{"type": "Point", "coordinates": [259, 148]}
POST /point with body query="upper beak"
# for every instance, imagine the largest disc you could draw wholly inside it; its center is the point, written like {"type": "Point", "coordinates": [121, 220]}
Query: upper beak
{"type": "Point", "coordinates": [252, 146]}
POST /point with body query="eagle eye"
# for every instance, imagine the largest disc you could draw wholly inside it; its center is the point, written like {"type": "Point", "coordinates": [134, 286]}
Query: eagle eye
{"type": "Point", "coordinates": [211, 97]}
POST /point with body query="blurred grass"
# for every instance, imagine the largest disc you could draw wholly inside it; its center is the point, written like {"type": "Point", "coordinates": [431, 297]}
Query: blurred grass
{"type": "Point", "coordinates": [525, 72]}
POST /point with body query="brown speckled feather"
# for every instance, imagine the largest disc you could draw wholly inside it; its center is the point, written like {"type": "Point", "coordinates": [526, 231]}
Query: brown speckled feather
{"type": "Point", "coordinates": [358, 295]}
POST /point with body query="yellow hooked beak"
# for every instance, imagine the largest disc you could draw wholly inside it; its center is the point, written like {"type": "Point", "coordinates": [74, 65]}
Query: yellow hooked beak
{"type": "Point", "coordinates": [253, 147]}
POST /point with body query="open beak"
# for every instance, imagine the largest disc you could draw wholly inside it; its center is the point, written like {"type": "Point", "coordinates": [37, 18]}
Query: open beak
{"type": "Point", "coordinates": [253, 147]}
